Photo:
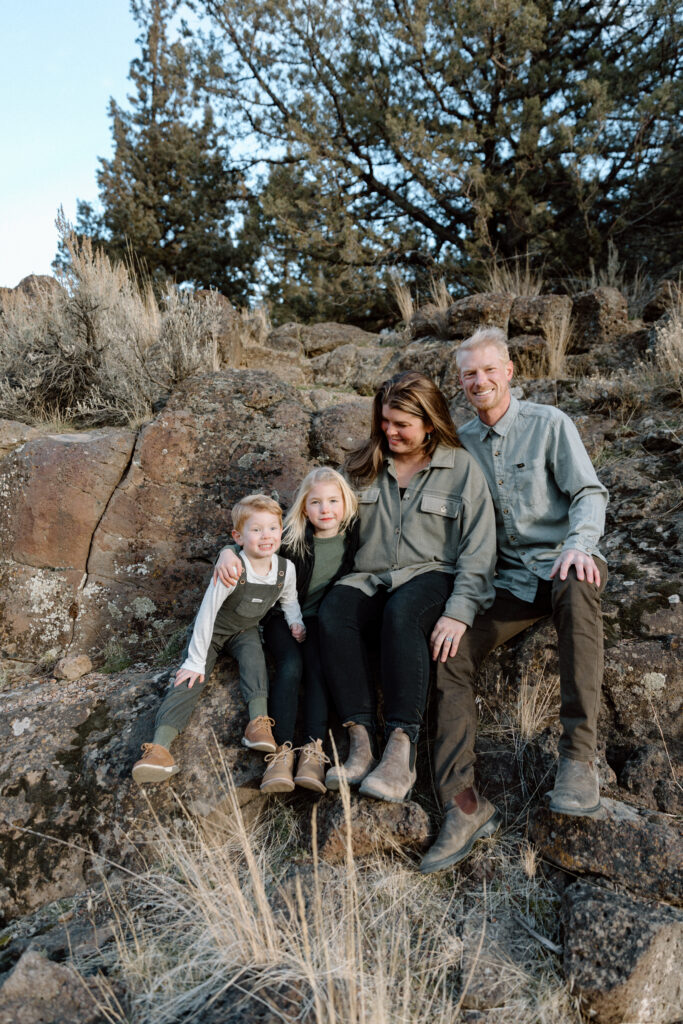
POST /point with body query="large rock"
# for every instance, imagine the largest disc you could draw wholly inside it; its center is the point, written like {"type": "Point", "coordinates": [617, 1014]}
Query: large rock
{"type": "Point", "coordinates": [55, 491]}
{"type": "Point", "coordinates": [538, 314]}
{"type": "Point", "coordinates": [66, 794]}
{"type": "Point", "coordinates": [13, 434]}
{"type": "Point", "coordinates": [319, 338]}
{"type": "Point", "coordinates": [41, 992]}
{"type": "Point", "coordinates": [643, 685]}
{"type": "Point", "coordinates": [488, 309]}
{"type": "Point", "coordinates": [363, 369]}
{"type": "Point", "coordinates": [622, 957]}
{"type": "Point", "coordinates": [218, 438]}
{"type": "Point", "coordinates": [336, 430]}
{"type": "Point", "coordinates": [641, 851]}
{"type": "Point", "coordinates": [372, 826]}
{"type": "Point", "coordinates": [662, 299]}
{"type": "Point", "coordinates": [599, 316]}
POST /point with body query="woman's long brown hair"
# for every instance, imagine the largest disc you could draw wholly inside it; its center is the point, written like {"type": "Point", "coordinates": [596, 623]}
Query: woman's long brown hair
{"type": "Point", "coordinates": [412, 392]}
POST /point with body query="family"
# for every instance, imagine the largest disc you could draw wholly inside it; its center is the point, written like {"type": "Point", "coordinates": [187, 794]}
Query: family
{"type": "Point", "coordinates": [435, 545]}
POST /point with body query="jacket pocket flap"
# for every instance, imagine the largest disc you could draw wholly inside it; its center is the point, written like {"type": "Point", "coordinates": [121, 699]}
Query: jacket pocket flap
{"type": "Point", "coordinates": [441, 506]}
{"type": "Point", "coordinates": [369, 495]}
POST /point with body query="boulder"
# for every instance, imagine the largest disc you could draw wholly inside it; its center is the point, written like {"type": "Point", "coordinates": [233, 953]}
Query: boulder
{"type": "Point", "coordinates": [13, 434]}
{"type": "Point", "coordinates": [363, 369]}
{"type": "Point", "coordinates": [41, 992]}
{"type": "Point", "coordinates": [599, 316]}
{"type": "Point", "coordinates": [337, 429]}
{"type": "Point", "coordinates": [640, 851]}
{"type": "Point", "coordinates": [538, 314]}
{"type": "Point", "coordinates": [73, 667]}
{"type": "Point", "coordinates": [488, 309]}
{"type": "Point", "coordinates": [56, 489]}
{"type": "Point", "coordinates": [643, 687]}
{"type": "Point", "coordinates": [654, 777]}
{"type": "Point", "coordinates": [664, 296]}
{"type": "Point", "coordinates": [374, 826]}
{"type": "Point", "coordinates": [69, 809]}
{"type": "Point", "coordinates": [38, 284]}
{"type": "Point", "coordinates": [219, 437]}
{"type": "Point", "coordinates": [622, 956]}
{"type": "Point", "coordinates": [428, 322]}
{"type": "Point", "coordinates": [319, 338]}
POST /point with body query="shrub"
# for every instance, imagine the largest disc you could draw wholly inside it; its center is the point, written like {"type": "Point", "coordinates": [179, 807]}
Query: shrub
{"type": "Point", "coordinates": [99, 350]}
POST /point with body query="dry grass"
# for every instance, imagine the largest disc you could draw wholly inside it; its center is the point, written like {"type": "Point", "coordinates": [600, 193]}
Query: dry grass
{"type": "Point", "coordinates": [404, 299]}
{"type": "Point", "coordinates": [441, 297]}
{"type": "Point", "coordinates": [514, 276]}
{"type": "Point", "coordinates": [242, 918]}
{"type": "Point", "coordinates": [98, 349]}
{"type": "Point", "coordinates": [668, 344]}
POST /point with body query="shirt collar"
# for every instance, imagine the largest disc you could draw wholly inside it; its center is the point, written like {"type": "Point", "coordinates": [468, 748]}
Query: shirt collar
{"type": "Point", "coordinates": [442, 456]}
{"type": "Point", "coordinates": [504, 424]}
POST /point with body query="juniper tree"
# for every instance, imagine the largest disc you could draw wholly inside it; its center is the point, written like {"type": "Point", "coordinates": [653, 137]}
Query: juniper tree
{"type": "Point", "coordinates": [168, 193]}
{"type": "Point", "coordinates": [441, 131]}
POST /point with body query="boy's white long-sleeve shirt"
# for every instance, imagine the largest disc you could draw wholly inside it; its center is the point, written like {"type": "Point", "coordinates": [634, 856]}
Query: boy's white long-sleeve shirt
{"type": "Point", "coordinates": [216, 595]}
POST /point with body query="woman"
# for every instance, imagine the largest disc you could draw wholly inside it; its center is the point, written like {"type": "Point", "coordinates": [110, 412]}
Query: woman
{"type": "Point", "coordinates": [423, 570]}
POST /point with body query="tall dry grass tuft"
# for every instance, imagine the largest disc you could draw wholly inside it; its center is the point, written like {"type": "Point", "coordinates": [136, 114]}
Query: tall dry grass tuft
{"type": "Point", "coordinates": [404, 299]}
{"type": "Point", "coordinates": [233, 919]}
{"type": "Point", "coordinates": [441, 297]}
{"type": "Point", "coordinates": [514, 276]}
{"type": "Point", "coordinates": [668, 343]}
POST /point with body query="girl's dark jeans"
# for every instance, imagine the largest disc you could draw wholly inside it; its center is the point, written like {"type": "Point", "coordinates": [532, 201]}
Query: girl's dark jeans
{"type": "Point", "coordinates": [292, 662]}
{"type": "Point", "coordinates": [403, 621]}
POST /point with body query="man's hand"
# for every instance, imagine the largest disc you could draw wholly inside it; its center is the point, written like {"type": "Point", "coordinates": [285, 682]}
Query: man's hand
{"type": "Point", "coordinates": [298, 632]}
{"type": "Point", "coordinates": [586, 569]}
{"type": "Point", "coordinates": [445, 638]}
{"type": "Point", "coordinates": [228, 568]}
{"type": "Point", "coordinates": [184, 673]}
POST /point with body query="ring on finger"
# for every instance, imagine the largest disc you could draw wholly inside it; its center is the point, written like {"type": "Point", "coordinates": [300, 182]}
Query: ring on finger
{"type": "Point", "coordinates": [450, 639]}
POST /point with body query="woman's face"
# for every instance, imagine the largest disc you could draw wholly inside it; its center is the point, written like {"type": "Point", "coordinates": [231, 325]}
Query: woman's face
{"type": "Point", "coordinates": [404, 432]}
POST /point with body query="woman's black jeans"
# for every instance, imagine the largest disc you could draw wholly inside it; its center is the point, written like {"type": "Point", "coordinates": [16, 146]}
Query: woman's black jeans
{"type": "Point", "coordinates": [403, 621]}
{"type": "Point", "coordinates": [292, 662]}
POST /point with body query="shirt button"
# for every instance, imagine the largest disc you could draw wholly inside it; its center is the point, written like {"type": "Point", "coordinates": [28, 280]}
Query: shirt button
{"type": "Point", "coordinates": [443, 508]}
{"type": "Point", "coordinates": [513, 537]}
{"type": "Point", "coordinates": [397, 530]}
{"type": "Point", "coordinates": [500, 482]}
{"type": "Point", "coordinates": [496, 453]}
{"type": "Point", "coordinates": [506, 512]}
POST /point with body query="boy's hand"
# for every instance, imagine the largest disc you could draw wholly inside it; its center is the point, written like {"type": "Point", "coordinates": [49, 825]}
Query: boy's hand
{"type": "Point", "coordinates": [184, 673]}
{"type": "Point", "coordinates": [228, 568]}
{"type": "Point", "coordinates": [298, 632]}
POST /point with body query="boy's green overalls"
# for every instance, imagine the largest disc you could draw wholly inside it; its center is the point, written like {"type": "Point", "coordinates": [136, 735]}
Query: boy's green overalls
{"type": "Point", "coordinates": [235, 630]}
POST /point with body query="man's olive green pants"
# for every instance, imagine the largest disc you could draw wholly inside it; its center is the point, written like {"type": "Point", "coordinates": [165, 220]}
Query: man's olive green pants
{"type": "Point", "coordinates": [575, 609]}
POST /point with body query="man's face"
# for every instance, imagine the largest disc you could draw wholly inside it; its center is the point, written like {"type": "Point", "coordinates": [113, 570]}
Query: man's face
{"type": "Point", "coordinates": [485, 378]}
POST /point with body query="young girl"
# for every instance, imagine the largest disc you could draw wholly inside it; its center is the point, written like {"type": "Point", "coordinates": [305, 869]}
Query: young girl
{"type": "Point", "coordinates": [321, 538]}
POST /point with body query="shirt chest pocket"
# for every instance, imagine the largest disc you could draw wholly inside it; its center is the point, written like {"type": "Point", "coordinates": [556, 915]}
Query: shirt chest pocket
{"type": "Point", "coordinates": [446, 508]}
{"type": "Point", "coordinates": [531, 484]}
{"type": "Point", "coordinates": [370, 496]}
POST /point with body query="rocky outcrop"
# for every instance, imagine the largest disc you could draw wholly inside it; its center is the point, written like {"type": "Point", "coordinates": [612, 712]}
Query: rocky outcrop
{"type": "Point", "coordinates": [370, 827]}
{"type": "Point", "coordinates": [41, 992]}
{"type": "Point", "coordinates": [641, 851]}
{"type": "Point", "coordinates": [622, 956]}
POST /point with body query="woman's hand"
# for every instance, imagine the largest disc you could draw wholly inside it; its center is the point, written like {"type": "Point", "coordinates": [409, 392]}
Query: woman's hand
{"type": "Point", "coordinates": [228, 568]}
{"type": "Point", "coordinates": [445, 638]}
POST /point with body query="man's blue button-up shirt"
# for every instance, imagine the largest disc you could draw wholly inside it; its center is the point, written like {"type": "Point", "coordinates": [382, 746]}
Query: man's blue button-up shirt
{"type": "Point", "coordinates": [546, 494]}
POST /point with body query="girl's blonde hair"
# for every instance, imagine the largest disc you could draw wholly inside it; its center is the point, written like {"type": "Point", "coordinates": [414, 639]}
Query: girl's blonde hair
{"type": "Point", "coordinates": [294, 533]}
{"type": "Point", "coordinates": [412, 392]}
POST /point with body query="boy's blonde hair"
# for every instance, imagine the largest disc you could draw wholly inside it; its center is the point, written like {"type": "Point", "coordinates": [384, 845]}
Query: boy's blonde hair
{"type": "Point", "coordinates": [246, 507]}
{"type": "Point", "coordinates": [294, 535]}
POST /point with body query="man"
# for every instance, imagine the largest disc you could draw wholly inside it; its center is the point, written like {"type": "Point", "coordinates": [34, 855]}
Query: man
{"type": "Point", "coordinates": [550, 511]}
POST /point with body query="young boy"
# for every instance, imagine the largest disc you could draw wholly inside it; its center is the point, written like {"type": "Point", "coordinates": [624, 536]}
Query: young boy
{"type": "Point", "coordinates": [228, 619]}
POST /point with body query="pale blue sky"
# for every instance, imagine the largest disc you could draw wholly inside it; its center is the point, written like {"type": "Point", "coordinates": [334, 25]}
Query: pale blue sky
{"type": "Point", "coordinates": [59, 64]}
